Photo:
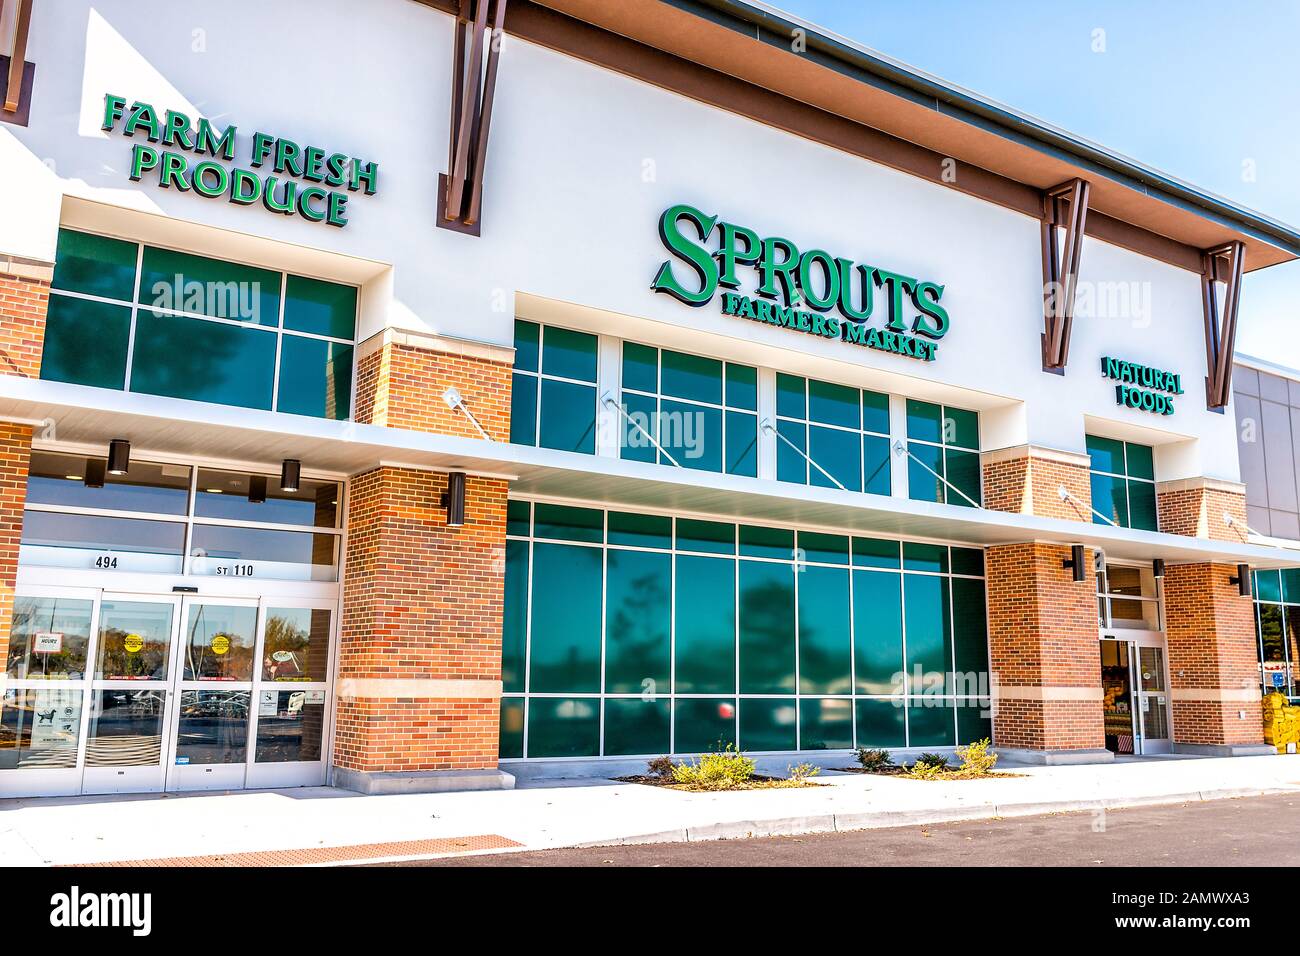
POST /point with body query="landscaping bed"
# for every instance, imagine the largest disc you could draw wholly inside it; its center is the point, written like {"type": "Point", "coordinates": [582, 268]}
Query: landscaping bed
{"type": "Point", "coordinates": [727, 769]}
{"type": "Point", "coordinates": [976, 764]}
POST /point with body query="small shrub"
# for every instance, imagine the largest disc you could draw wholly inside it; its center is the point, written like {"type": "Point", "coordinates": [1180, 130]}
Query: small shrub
{"type": "Point", "coordinates": [927, 771]}
{"type": "Point", "coordinates": [801, 773]}
{"type": "Point", "coordinates": [933, 760]}
{"type": "Point", "coordinates": [874, 761]}
{"type": "Point", "coordinates": [976, 761]}
{"type": "Point", "coordinates": [661, 768]}
{"type": "Point", "coordinates": [716, 771]}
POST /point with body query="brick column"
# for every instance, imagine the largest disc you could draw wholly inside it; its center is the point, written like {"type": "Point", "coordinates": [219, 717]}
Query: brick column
{"type": "Point", "coordinates": [1044, 656]}
{"type": "Point", "coordinates": [1026, 479]}
{"type": "Point", "coordinates": [419, 681]}
{"type": "Point", "coordinates": [24, 301]}
{"type": "Point", "coordinates": [1194, 507]}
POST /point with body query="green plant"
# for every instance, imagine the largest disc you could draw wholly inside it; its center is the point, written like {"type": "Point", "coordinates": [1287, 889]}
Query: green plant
{"type": "Point", "coordinates": [976, 761]}
{"type": "Point", "coordinates": [722, 770]}
{"type": "Point", "coordinates": [660, 768]}
{"type": "Point", "coordinates": [874, 761]}
{"type": "Point", "coordinates": [933, 760]}
{"type": "Point", "coordinates": [803, 772]}
{"type": "Point", "coordinates": [926, 771]}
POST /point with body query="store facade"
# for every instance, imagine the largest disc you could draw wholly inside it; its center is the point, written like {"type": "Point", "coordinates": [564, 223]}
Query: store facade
{"type": "Point", "coordinates": [328, 458]}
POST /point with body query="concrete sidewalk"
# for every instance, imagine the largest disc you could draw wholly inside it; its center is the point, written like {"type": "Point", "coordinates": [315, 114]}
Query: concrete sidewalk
{"type": "Point", "coordinates": [94, 830]}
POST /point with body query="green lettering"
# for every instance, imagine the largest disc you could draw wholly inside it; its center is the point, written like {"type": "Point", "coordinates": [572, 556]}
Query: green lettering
{"type": "Point", "coordinates": [691, 254]}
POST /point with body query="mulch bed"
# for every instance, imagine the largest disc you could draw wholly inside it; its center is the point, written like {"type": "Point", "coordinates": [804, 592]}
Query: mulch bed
{"type": "Point", "coordinates": [755, 782]}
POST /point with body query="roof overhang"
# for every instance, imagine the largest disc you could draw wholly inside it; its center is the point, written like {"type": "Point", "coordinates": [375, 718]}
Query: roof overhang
{"type": "Point", "coordinates": [169, 428]}
{"type": "Point", "coordinates": [850, 97]}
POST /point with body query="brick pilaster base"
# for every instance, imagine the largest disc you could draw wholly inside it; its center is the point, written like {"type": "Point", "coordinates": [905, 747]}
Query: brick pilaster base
{"type": "Point", "coordinates": [1027, 480]}
{"type": "Point", "coordinates": [1213, 660]}
{"type": "Point", "coordinates": [1043, 651]}
{"type": "Point", "coordinates": [24, 302]}
{"type": "Point", "coordinates": [420, 659]}
{"type": "Point", "coordinates": [1194, 507]}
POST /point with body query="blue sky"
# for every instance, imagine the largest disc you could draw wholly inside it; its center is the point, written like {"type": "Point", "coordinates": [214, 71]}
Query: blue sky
{"type": "Point", "coordinates": [1205, 92]}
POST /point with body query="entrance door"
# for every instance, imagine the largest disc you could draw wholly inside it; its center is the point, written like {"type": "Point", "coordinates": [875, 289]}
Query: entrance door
{"type": "Point", "coordinates": [214, 694]}
{"type": "Point", "coordinates": [1117, 697]}
{"type": "Point", "coordinates": [1153, 700]}
{"type": "Point", "coordinates": [131, 694]}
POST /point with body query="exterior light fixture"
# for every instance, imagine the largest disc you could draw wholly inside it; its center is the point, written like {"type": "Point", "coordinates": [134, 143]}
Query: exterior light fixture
{"type": "Point", "coordinates": [290, 474]}
{"type": "Point", "coordinates": [119, 456]}
{"type": "Point", "coordinates": [454, 499]}
{"type": "Point", "coordinates": [257, 489]}
{"type": "Point", "coordinates": [1076, 564]}
{"type": "Point", "coordinates": [1158, 567]}
{"type": "Point", "coordinates": [94, 473]}
{"type": "Point", "coordinates": [1242, 580]}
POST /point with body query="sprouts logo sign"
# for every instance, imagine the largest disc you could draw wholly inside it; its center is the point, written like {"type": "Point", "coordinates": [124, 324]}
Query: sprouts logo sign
{"type": "Point", "coordinates": [303, 181]}
{"type": "Point", "coordinates": [811, 292]}
{"type": "Point", "coordinates": [1141, 386]}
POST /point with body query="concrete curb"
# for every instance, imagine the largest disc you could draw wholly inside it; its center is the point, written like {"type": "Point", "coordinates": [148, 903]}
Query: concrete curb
{"type": "Point", "coordinates": [848, 822]}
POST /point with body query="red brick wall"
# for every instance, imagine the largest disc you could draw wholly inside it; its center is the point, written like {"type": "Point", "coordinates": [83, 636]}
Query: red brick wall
{"type": "Point", "coordinates": [401, 386]}
{"type": "Point", "coordinates": [1197, 512]}
{"type": "Point", "coordinates": [1043, 651]}
{"type": "Point", "coordinates": [15, 459]}
{"type": "Point", "coordinates": [421, 602]}
{"type": "Point", "coordinates": [24, 301]}
{"type": "Point", "coordinates": [1210, 632]}
{"type": "Point", "coordinates": [1030, 483]}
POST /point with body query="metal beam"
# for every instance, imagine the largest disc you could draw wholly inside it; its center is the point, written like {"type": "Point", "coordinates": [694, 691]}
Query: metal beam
{"type": "Point", "coordinates": [1065, 206]}
{"type": "Point", "coordinates": [471, 110]}
{"type": "Point", "coordinates": [1222, 264]}
{"type": "Point", "coordinates": [18, 54]}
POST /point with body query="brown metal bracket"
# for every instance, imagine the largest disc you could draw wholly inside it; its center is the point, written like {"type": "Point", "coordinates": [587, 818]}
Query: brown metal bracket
{"type": "Point", "coordinates": [1222, 264]}
{"type": "Point", "coordinates": [460, 199]}
{"type": "Point", "coordinates": [16, 72]}
{"type": "Point", "coordinates": [1064, 205]}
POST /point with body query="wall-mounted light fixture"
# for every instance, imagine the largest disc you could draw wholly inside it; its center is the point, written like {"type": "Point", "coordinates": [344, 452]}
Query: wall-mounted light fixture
{"type": "Point", "coordinates": [455, 402]}
{"type": "Point", "coordinates": [290, 474]}
{"type": "Point", "coordinates": [1158, 567]}
{"type": "Point", "coordinates": [1076, 563]}
{"type": "Point", "coordinates": [1242, 580]}
{"type": "Point", "coordinates": [94, 473]}
{"type": "Point", "coordinates": [257, 489]}
{"type": "Point", "coordinates": [454, 499]}
{"type": "Point", "coordinates": [119, 456]}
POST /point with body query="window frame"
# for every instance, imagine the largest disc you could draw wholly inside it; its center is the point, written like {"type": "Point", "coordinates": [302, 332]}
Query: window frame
{"type": "Point", "coordinates": [1128, 480]}
{"type": "Point", "coordinates": [862, 432]}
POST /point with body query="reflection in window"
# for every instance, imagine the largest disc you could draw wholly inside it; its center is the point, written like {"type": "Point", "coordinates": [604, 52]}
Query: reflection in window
{"type": "Point", "coordinates": [147, 487]}
{"type": "Point", "coordinates": [134, 640]}
{"type": "Point", "coordinates": [263, 553]}
{"type": "Point", "coordinates": [944, 443]}
{"type": "Point", "coordinates": [213, 727]}
{"type": "Point", "coordinates": [228, 494]}
{"type": "Point", "coordinates": [1123, 483]}
{"type": "Point", "coordinates": [219, 642]}
{"type": "Point", "coordinates": [553, 388]}
{"type": "Point", "coordinates": [125, 728]}
{"type": "Point", "coordinates": [57, 540]}
{"type": "Point", "coordinates": [296, 644]}
{"type": "Point", "coordinates": [290, 725]}
{"type": "Point", "coordinates": [39, 729]}
{"type": "Point", "coordinates": [49, 638]}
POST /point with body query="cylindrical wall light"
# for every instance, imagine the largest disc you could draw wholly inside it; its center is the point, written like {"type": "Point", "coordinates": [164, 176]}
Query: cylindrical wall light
{"type": "Point", "coordinates": [119, 456]}
{"type": "Point", "coordinates": [257, 489]}
{"type": "Point", "coordinates": [94, 473]}
{"type": "Point", "coordinates": [454, 499]}
{"type": "Point", "coordinates": [1242, 580]}
{"type": "Point", "coordinates": [1075, 562]}
{"type": "Point", "coordinates": [1158, 567]}
{"type": "Point", "coordinates": [290, 474]}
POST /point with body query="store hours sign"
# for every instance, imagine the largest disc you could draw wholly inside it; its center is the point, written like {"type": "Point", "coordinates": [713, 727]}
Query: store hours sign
{"type": "Point", "coordinates": [174, 152]}
{"type": "Point", "coordinates": [809, 291]}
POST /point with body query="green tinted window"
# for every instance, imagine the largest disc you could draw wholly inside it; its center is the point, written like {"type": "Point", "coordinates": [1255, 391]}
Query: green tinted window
{"type": "Point", "coordinates": [970, 634]}
{"type": "Point", "coordinates": [974, 721]}
{"type": "Point", "coordinates": [930, 722]}
{"type": "Point", "coordinates": [565, 646]}
{"type": "Point", "coordinates": [640, 367]}
{"type": "Point", "coordinates": [95, 265]}
{"type": "Point", "coordinates": [875, 412]}
{"type": "Point", "coordinates": [968, 561]}
{"type": "Point", "coordinates": [832, 404]}
{"type": "Point", "coordinates": [640, 425]}
{"type": "Point", "coordinates": [86, 342]}
{"type": "Point", "coordinates": [790, 399]}
{"type": "Point", "coordinates": [523, 409]}
{"type": "Point", "coordinates": [875, 465]}
{"type": "Point", "coordinates": [514, 625]}
{"type": "Point", "coordinates": [1268, 586]}
{"type": "Point", "coordinates": [824, 548]}
{"type": "Point", "coordinates": [742, 444]}
{"type": "Point", "coordinates": [568, 523]}
{"type": "Point", "coordinates": [569, 354]}
{"type": "Point", "coordinates": [924, 472]}
{"type": "Point", "coordinates": [876, 553]}
{"type": "Point", "coordinates": [768, 724]}
{"type": "Point", "coordinates": [638, 622]}
{"type": "Point", "coordinates": [790, 463]}
{"type": "Point", "coordinates": [924, 421]}
{"type": "Point", "coordinates": [640, 531]}
{"type": "Point", "coordinates": [512, 728]}
{"type": "Point", "coordinates": [742, 387]}
{"type": "Point", "coordinates": [691, 376]}
{"type": "Point", "coordinates": [760, 542]}
{"type": "Point", "coordinates": [918, 556]}
{"type": "Point", "coordinates": [1107, 454]}
{"type": "Point", "coordinates": [962, 469]}
{"type": "Point", "coordinates": [568, 417]}
{"type": "Point", "coordinates": [636, 727]}
{"type": "Point", "coordinates": [961, 428]}
{"type": "Point", "coordinates": [518, 517]}
{"type": "Point", "coordinates": [838, 453]}
{"type": "Point", "coordinates": [706, 625]}
{"type": "Point", "coordinates": [825, 723]}
{"type": "Point", "coordinates": [182, 282]}
{"type": "Point", "coordinates": [692, 434]}
{"type": "Point", "coordinates": [704, 725]}
{"type": "Point", "coordinates": [1110, 497]}
{"type": "Point", "coordinates": [929, 638]}
{"type": "Point", "coordinates": [1142, 505]}
{"type": "Point", "coordinates": [825, 639]}
{"type": "Point", "coordinates": [877, 631]}
{"type": "Point", "coordinates": [319, 307]}
{"type": "Point", "coordinates": [315, 378]}
{"type": "Point", "coordinates": [1139, 461]}
{"type": "Point", "coordinates": [1291, 585]}
{"type": "Point", "coordinates": [881, 723]}
{"type": "Point", "coordinates": [713, 537]}
{"type": "Point", "coordinates": [204, 361]}
{"type": "Point", "coordinates": [564, 727]}
{"type": "Point", "coordinates": [528, 337]}
{"type": "Point", "coordinates": [767, 628]}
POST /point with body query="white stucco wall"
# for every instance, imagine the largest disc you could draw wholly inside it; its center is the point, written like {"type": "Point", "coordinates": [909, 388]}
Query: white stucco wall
{"type": "Point", "coordinates": [581, 164]}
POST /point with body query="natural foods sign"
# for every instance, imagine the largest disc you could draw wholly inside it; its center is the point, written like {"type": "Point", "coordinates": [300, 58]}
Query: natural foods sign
{"type": "Point", "coordinates": [812, 292]}
{"type": "Point", "coordinates": [283, 176]}
{"type": "Point", "coordinates": [1141, 386]}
